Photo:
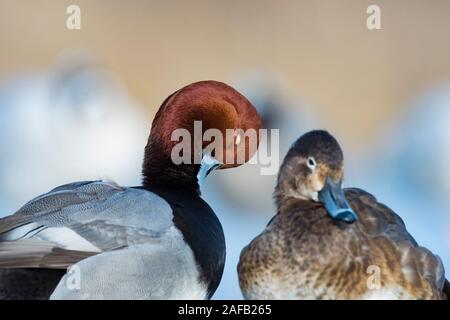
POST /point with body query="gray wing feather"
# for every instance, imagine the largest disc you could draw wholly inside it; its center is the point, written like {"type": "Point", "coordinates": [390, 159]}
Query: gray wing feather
{"type": "Point", "coordinates": [31, 253]}
{"type": "Point", "coordinates": [108, 236]}
{"type": "Point", "coordinates": [60, 223]}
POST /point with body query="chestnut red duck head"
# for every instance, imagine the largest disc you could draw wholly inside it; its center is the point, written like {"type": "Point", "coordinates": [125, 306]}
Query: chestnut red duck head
{"type": "Point", "coordinates": [213, 105]}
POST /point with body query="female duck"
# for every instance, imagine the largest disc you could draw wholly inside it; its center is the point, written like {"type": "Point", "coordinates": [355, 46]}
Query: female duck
{"type": "Point", "coordinates": [330, 243]}
{"type": "Point", "coordinates": [156, 241]}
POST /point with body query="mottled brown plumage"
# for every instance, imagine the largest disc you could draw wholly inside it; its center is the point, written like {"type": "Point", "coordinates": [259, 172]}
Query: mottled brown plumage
{"type": "Point", "coordinates": [306, 254]}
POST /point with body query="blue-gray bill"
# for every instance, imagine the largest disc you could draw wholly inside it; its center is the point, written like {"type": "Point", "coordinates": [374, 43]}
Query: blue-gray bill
{"type": "Point", "coordinates": [208, 165]}
{"type": "Point", "coordinates": [333, 198]}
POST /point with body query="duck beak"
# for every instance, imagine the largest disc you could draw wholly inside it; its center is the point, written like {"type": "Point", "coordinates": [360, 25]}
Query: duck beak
{"type": "Point", "coordinates": [208, 165]}
{"type": "Point", "coordinates": [333, 198]}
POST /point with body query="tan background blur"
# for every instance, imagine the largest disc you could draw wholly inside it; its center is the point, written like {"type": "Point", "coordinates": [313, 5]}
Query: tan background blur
{"type": "Point", "coordinates": [321, 48]}
{"type": "Point", "coordinates": [321, 55]}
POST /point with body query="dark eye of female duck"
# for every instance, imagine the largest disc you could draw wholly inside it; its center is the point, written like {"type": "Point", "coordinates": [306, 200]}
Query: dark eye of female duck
{"type": "Point", "coordinates": [312, 163]}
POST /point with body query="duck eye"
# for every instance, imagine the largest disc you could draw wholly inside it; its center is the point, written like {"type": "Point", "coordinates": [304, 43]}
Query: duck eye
{"type": "Point", "coordinates": [311, 163]}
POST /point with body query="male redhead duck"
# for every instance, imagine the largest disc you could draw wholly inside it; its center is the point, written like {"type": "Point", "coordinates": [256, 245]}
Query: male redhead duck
{"type": "Point", "coordinates": [326, 242]}
{"type": "Point", "coordinates": [156, 241]}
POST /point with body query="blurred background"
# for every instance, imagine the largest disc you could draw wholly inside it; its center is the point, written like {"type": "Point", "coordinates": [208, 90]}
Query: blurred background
{"type": "Point", "coordinates": [78, 104]}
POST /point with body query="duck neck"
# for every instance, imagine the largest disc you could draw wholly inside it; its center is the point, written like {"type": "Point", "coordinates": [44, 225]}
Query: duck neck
{"type": "Point", "coordinates": [283, 199]}
{"type": "Point", "coordinates": [159, 171]}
